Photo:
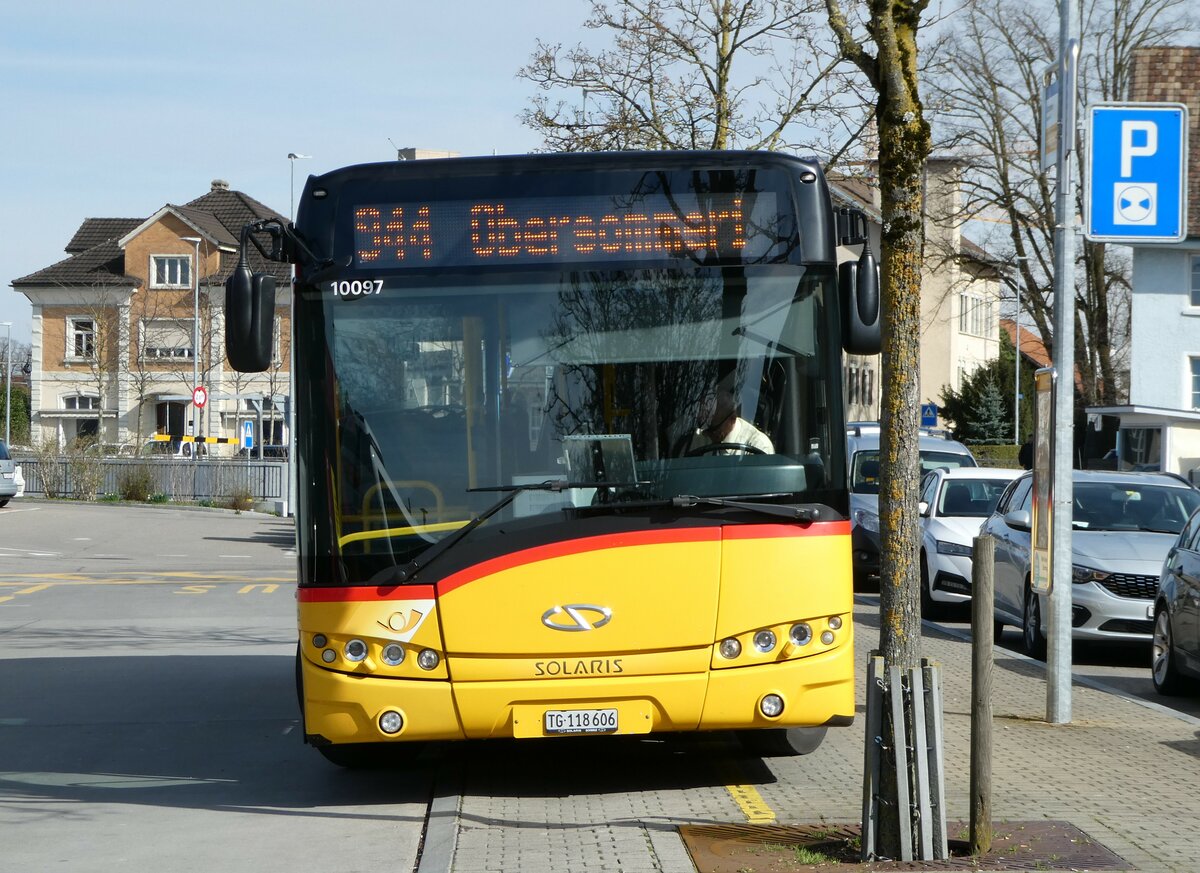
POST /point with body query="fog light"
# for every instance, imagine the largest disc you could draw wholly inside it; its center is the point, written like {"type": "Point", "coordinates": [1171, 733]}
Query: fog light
{"type": "Point", "coordinates": [427, 659]}
{"type": "Point", "coordinates": [319, 640]}
{"type": "Point", "coordinates": [771, 706]}
{"type": "Point", "coordinates": [827, 638]}
{"type": "Point", "coordinates": [800, 635]}
{"type": "Point", "coordinates": [393, 654]}
{"type": "Point", "coordinates": [329, 656]}
{"type": "Point", "coordinates": [730, 649]}
{"type": "Point", "coordinates": [356, 650]}
{"type": "Point", "coordinates": [391, 722]}
{"type": "Point", "coordinates": [835, 622]}
{"type": "Point", "coordinates": [764, 641]}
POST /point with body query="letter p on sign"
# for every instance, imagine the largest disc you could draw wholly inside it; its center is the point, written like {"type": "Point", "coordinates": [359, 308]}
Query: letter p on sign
{"type": "Point", "coordinates": [1130, 150]}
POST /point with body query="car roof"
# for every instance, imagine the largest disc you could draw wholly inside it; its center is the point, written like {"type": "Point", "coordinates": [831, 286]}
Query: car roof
{"type": "Point", "coordinates": [979, 473]}
{"type": "Point", "coordinates": [868, 441]}
{"type": "Point", "coordinates": [1170, 480]}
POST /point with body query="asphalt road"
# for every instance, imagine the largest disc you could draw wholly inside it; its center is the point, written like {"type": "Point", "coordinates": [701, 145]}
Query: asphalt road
{"type": "Point", "coordinates": [147, 713]}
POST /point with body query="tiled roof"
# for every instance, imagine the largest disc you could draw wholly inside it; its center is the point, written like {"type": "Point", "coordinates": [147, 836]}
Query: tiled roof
{"type": "Point", "coordinates": [94, 231]}
{"type": "Point", "coordinates": [97, 259]}
{"type": "Point", "coordinates": [1171, 74]}
{"type": "Point", "coordinates": [102, 264]}
{"type": "Point", "coordinates": [1032, 347]}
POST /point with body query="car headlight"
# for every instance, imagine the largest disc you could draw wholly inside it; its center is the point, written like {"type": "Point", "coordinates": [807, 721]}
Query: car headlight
{"type": "Point", "coordinates": [945, 547]}
{"type": "Point", "coordinates": [1081, 574]}
{"type": "Point", "coordinates": [866, 519]}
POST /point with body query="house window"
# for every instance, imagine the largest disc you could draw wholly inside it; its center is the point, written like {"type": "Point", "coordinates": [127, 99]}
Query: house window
{"type": "Point", "coordinates": [76, 402]}
{"type": "Point", "coordinates": [1195, 286]}
{"type": "Point", "coordinates": [166, 339]}
{"type": "Point", "coordinates": [1195, 362]}
{"type": "Point", "coordinates": [81, 338]}
{"type": "Point", "coordinates": [170, 271]}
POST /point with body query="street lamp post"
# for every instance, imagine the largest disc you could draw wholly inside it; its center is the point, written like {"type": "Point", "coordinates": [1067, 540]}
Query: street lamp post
{"type": "Point", "coordinates": [8, 386]}
{"type": "Point", "coordinates": [1017, 372]}
{"type": "Point", "coordinates": [292, 158]}
{"type": "Point", "coordinates": [195, 240]}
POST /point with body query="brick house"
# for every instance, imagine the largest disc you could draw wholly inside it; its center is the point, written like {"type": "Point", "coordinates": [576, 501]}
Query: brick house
{"type": "Point", "coordinates": [116, 323]}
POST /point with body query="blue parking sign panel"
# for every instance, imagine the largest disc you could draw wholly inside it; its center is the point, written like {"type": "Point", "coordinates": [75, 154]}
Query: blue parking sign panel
{"type": "Point", "coordinates": [1136, 177]}
{"type": "Point", "coordinates": [247, 434]}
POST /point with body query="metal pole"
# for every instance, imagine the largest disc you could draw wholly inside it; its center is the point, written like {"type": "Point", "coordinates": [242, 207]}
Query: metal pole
{"type": "Point", "coordinates": [195, 241]}
{"type": "Point", "coordinates": [982, 660]}
{"type": "Point", "coordinates": [8, 388]}
{"type": "Point", "coordinates": [1017, 372]}
{"type": "Point", "coordinates": [1058, 650]}
{"type": "Point", "coordinates": [291, 406]}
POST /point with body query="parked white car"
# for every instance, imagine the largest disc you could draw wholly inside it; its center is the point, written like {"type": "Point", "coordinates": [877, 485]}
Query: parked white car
{"type": "Point", "coordinates": [954, 504]}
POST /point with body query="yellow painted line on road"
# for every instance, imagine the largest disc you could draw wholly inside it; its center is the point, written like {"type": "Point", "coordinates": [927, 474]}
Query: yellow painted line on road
{"type": "Point", "coordinates": [34, 589]}
{"type": "Point", "coordinates": [752, 804]}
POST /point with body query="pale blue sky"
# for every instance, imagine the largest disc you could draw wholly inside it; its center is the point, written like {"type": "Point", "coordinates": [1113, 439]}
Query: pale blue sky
{"type": "Point", "coordinates": [112, 109]}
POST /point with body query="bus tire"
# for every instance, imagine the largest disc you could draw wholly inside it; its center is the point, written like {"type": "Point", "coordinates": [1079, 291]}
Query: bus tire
{"type": "Point", "coordinates": [782, 742]}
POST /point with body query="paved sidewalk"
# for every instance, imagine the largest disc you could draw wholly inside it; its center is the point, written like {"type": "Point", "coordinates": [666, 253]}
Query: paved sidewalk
{"type": "Point", "coordinates": [1125, 773]}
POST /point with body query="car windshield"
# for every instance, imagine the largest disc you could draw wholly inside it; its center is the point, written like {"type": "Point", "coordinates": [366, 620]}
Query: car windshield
{"type": "Point", "coordinates": [864, 473]}
{"type": "Point", "coordinates": [1132, 506]}
{"type": "Point", "coordinates": [3, 451]}
{"type": "Point", "coordinates": [969, 498]}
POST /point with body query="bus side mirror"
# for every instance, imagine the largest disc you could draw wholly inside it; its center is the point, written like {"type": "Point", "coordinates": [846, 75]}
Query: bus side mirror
{"type": "Point", "coordinates": [249, 319]}
{"type": "Point", "coordinates": [858, 289]}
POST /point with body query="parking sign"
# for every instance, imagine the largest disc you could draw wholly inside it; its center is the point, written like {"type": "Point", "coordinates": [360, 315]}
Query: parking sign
{"type": "Point", "coordinates": [1136, 177]}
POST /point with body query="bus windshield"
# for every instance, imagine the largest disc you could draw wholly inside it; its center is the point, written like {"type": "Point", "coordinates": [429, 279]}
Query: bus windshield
{"type": "Point", "coordinates": [438, 393]}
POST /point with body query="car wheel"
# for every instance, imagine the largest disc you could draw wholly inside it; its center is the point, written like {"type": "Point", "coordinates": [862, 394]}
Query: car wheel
{"type": "Point", "coordinates": [1035, 643]}
{"type": "Point", "coordinates": [3, 502]}
{"type": "Point", "coordinates": [997, 630]}
{"type": "Point", "coordinates": [782, 742]}
{"type": "Point", "coordinates": [1162, 663]}
{"type": "Point", "coordinates": [930, 608]}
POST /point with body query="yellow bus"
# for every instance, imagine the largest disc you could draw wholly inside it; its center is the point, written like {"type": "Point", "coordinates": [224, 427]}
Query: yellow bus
{"type": "Point", "coordinates": [570, 446]}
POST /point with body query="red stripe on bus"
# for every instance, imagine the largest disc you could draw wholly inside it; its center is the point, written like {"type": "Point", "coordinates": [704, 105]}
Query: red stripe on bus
{"type": "Point", "coordinates": [357, 594]}
{"type": "Point", "coordinates": [365, 593]}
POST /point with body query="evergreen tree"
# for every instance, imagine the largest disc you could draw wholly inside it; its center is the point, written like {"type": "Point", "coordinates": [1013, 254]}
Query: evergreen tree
{"type": "Point", "coordinates": [990, 423]}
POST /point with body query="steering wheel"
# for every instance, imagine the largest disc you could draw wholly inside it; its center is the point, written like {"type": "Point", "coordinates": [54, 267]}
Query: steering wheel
{"type": "Point", "coordinates": [713, 448]}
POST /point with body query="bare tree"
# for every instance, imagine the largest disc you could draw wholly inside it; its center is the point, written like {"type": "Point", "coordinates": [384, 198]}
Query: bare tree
{"type": "Point", "coordinates": [695, 74]}
{"type": "Point", "coordinates": [95, 338]}
{"type": "Point", "coordinates": [990, 96]}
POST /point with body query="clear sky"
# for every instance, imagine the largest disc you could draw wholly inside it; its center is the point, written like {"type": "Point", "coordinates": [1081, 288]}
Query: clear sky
{"type": "Point", "coordinates": [113, 109]}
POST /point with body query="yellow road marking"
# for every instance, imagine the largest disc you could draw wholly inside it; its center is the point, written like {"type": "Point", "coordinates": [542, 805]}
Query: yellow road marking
{"type": "Point", "coordinates": [34, 590]}
{"type": "Point", "coordinates": [751, 803]}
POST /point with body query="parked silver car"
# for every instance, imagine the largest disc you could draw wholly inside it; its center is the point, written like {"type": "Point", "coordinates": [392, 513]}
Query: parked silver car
{"type": "Point", "coordinates": [8, 475]}
{"type": "Point", "coordinates": [1124, 525]}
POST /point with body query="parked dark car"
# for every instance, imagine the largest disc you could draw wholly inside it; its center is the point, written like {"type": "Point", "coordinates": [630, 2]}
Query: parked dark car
{"type": "Point", "coordinates": [277, 452]}
{"type": "Point", "coordinates": [1175, 648]}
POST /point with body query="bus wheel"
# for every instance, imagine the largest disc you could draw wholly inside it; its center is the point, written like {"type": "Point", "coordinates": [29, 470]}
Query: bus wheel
{"type": "Point", "coordinates": [782, 742]}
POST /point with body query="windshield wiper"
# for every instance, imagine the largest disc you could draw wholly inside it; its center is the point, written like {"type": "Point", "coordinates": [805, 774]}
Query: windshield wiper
{"type": "Point", "coordinates": [406, 572]}
{"type": "Point", "coordinates": [796, 513]}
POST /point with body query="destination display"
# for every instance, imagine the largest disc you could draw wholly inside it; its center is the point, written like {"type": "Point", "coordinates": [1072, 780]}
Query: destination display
{"type": "Point", "coordinates": [711, 228]}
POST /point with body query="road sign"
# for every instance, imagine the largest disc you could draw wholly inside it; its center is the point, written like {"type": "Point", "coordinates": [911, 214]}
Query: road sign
{"type": "Point", "coordinates": [928, 415]}
{"type": "Point", "coordinates": [1136, 176]}
{"type": "Point", "coordinates": [247, 434]}
{"type": "Point", "coordinates": [200, 396]}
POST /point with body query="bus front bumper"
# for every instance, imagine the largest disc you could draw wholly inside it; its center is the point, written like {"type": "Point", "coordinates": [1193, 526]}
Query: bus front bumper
{"type": "Point", "coordinates": [341, 708]}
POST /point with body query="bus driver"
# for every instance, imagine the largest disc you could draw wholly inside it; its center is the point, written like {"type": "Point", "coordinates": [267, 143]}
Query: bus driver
{"type": "Point", "coordinates": [720, 422]}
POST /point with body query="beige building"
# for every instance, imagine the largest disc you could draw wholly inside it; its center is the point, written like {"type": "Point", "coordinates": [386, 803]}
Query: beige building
{"type": "Point", "coordinates": [131, 321]}
{"type": "Point", "coordinates": [960, 294]}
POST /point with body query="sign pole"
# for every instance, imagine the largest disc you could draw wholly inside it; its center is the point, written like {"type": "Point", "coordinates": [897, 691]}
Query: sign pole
{"type": "Point", "coordinates": [1058, 639]}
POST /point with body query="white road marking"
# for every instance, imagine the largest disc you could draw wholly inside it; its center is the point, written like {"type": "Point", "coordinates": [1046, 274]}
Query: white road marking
{"type": "Point", "coordinates": [233, 556]}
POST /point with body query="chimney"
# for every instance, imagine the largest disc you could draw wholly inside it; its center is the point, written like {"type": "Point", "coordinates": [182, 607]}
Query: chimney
{"type": "Point", "coordinates": [220, 185]}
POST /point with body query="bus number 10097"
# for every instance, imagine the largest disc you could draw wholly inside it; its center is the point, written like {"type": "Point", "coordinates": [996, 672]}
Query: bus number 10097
{"type": "Point", "coordinates": [356, 287]}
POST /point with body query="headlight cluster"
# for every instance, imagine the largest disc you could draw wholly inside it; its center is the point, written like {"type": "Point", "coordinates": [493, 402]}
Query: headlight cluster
{"type": "Point", "coordinates": [1081, 574]}
{"type": "Point", "coordinates": [797, 638]}
{"type": "Point", "coordinates": [866, 519]}
{"type": "Point", "coordinates": [945, 547]}
{"type": "Point", "coordinates": [355, 651]}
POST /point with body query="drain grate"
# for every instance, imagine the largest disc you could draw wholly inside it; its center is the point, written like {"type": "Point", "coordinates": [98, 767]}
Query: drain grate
{"type": "Point", "coordinates": [774, 848]}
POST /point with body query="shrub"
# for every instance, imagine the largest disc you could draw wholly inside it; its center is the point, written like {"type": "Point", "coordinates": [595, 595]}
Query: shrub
{"type": "Point", "coordinates": [136, 483]}
{"type": "Point", "coordinates": [240, 498]}
{"type": "Point", "coordinates": [85, 468]}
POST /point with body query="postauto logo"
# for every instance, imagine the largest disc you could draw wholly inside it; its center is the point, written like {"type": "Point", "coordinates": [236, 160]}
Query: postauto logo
{"type": "Point", "coordinates": [576, 617]}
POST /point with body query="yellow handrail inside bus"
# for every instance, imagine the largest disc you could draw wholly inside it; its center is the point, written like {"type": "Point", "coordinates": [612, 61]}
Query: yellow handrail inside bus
{"type": "Point", "coordinates": [399, 531]}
